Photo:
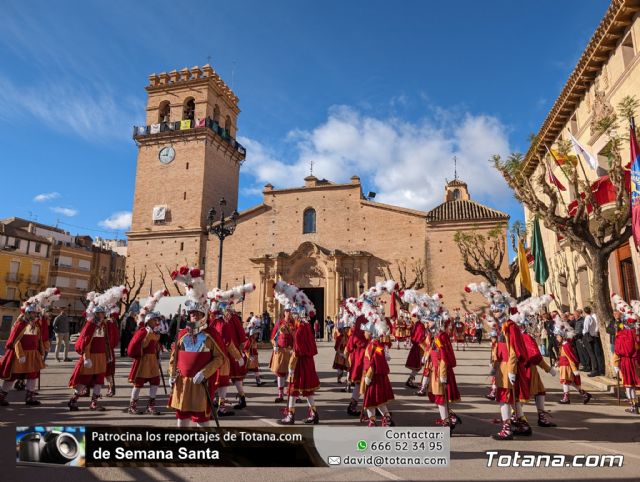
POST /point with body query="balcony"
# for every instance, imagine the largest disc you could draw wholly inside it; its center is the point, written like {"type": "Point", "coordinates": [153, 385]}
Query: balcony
{"type": "Point", "coordinates": [142, 132]}
{"type": "Point", "coordinates": [36, 280]}
{"type": "Point", "coordinates": [14, 277]}
{"type": "Point", "coordinates": [604, 194]}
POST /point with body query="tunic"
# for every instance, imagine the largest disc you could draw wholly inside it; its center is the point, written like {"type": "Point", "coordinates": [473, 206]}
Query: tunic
{"type": "Point", "coordinates": [25, 340]}
{"type": "Point", "coordinates": [379, 391]}
{"type": "Point", "coordinates": [143, 348]}
{"type": "Point", "coordinates": [305, 378]}
{"type": "Point", "coordinates": [282, 339]}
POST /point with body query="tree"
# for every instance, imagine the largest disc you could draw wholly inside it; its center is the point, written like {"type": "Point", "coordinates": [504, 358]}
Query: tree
{"type": "Point", "coordinates": [588, 228]}
{"type": "Point", "coordinates": [409, 276]}
{"type": "Point", "coordinates": [483, 253]}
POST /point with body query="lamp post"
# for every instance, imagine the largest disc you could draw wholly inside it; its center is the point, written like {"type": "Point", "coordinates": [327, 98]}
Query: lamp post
{"type": "Point", "coordinates": [221, 228]}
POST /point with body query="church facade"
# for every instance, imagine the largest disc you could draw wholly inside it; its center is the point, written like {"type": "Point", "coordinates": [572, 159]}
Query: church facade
{"type": "Point", "coordinates": [325, 237]}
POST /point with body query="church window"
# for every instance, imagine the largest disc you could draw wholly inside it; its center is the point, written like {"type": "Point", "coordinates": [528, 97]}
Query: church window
{"type": "Point", "coordinates": [309, 221]}
{"type": "Point", "coordinates": [164, 112]}
{"type": "Point", "coordinates": [456, 194]}
{"type": "Point", "coordinates": [189, 109]}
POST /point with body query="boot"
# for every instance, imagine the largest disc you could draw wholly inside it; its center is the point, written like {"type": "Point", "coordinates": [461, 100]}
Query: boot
{"type": "Point", "coordinates": [111, 391]}
{"type": "Point", "coordinates": [3, 398]}
{"type": "Point", "coordinates": [352, 408]}
{"type": "Point", "coordinates": [505, 433]}
{"type": "Point", "coordinates": [19, 385]}
{"type": "Point", "coordinates": [224, 410]}
{"type": "Point", "coordinates": [299, 400]}
{"type": "Point", "coordinates": [387, 422]}
{"type": "Point", "coordinates": [455, 418]}
{"type": "Point", "coordinates": [586, 396]}
{"type": "Point", "coordinates": [492, 394]}
{"type": "Point", "coordinates": [259, 382]}
{"type": "Point", "coordinates": [30, 399]}
{"type": "Point", "coordinates": [280, 399]}
{"type": "Point", "coordinates": [634, 408]}
{"type": "Point", "coordinates": [133, 408]}
{"type": "Point", "coordinates": [313, 417]}
{"type": "Point", "coordinates": [94, 405]}
{"type": "Point", "coordinates": [242, 404]}
{"type": "Point", "coordinates": [522, 427]}
{"type": "Point", "coordinates": [410, 383]}
{"type": "Point", "coordinates": [543, 421]}
{"type": "Point", "coordinates": [445, 423]}
{"type": "Point", "coordinates": [73, 403]}
{"type": "Point", "coordinates": [289, 418]}
{"type": "Point", "coordinates": [372, 422]}
{"type": "Point", "coordinates": [151, 407]}
{"type": "Point", "coordinates": [565, 399]}
{"type": "Point", "coordinates": [422, 392]}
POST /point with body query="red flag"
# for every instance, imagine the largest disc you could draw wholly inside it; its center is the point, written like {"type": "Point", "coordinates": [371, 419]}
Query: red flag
{"type": "Point", "coordinates": [393, 310]}
{"type": "Point", "coordinates": [634, 163]}
{"type": "Point", "coordinates": [553, 179]}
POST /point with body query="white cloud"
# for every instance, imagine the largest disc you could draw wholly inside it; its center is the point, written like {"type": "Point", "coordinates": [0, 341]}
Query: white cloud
{"type": "Point", "coordinates": [117, 221]}
{"type": "Point", "coordinates": [88, 111]}
{"type": "Point", "coordinates": [46, 196]}
{"type": "Point", "coordinates": [406, 162]}
{"type": "Point", "coordinates": [69, 212]}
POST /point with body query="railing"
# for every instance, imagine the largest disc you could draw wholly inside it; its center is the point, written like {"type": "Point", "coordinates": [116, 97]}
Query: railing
{"type": "Point", "coordinates": [186, 125]}
{"type": "Point", "coordinates": [14, 277]}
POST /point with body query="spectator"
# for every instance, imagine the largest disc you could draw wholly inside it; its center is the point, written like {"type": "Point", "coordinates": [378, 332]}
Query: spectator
{"type": "Point", "coordinates": [552, 346]}
{"type": "Point", "coordinates": [128, 329]}
{"type": "Point", "coordinates": [329, 325]}
{"type": "Point", "coordinates": [579, 343]}
{"type": "Point", "coordinates": [316, 327]}
{"type": "Point", "coordinates": [592, 343]}
{"type": "Point", "coordinates": [61, 329]}
{"type": "Point", "coordinates": [478, 325]}
{"type": "Point", "coordinates": [612, 328]}
{"type": "Point", "coordinates": [266, 326]}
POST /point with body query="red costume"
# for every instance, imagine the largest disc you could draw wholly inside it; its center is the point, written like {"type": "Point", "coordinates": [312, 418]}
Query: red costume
{"type": "Point", "coordinates": [143, 348]}
{"type": "Point", "coordinates": [418, 336]}
{"type": "Point", "coordinates": [626, 357]}
{"type": "Point", "coordinates": [356, 346]}
{"type": "Point", "coordinates": [305, 379]}
{"type": "Point", "coordinates": [94, 344]}
{"type": "Point", "coordinates": [233, 337]}
{"type": "Point", "coordinates": [376, 368]}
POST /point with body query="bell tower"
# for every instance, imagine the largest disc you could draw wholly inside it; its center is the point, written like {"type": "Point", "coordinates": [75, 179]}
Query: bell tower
{"type": "Point", "coordinates": [188, 158]}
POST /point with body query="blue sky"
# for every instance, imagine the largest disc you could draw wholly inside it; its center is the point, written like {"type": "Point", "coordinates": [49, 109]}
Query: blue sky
{"type": "Point", "coordinates": [389, 91]}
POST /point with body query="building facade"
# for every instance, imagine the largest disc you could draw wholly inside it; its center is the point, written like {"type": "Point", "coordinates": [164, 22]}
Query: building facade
{"type": "Point", "coordinates": [24, 268]}
{"type": "Point", "coordinates": [325, 237]}
{"type": "Point", "coordinates": [608, 70]}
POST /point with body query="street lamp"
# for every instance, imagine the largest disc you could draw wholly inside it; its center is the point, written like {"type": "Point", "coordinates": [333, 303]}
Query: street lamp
{"type": "Point", "coordinates": [221, 230]}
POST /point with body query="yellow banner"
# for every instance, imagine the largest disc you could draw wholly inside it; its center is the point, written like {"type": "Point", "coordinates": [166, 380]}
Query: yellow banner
{"type": "Point", "coordinates": [523, 265]}
{"type": "Point", "coordinates": [185, 124]}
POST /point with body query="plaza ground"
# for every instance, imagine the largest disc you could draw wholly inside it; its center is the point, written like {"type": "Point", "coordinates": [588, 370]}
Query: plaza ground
{"type": "Point", "coordinates": [601, 427]}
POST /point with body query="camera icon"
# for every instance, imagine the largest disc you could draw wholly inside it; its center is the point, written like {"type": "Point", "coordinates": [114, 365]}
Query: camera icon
{"type": "Point", "coordinates": [52, 448]}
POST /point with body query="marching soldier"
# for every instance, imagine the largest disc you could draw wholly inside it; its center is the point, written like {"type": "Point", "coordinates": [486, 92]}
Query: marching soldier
{"type": "Point", "coordinates": [375, 387]}
{"type": "Point", "coordinates": [282, 341]}
{"type": "Point", "coordinates": [568, 363]}
{"type": "Point", "coordinates": [143, 348]}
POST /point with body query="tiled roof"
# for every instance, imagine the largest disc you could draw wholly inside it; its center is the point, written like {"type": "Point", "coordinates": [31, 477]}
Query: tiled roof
{"type": "Point", "coordinates": [464, 210]}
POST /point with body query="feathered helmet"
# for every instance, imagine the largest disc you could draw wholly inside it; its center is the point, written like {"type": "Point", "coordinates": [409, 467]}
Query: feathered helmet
{"type": "Point", "coordinates": [630, 314]}
{"type": "Point", "coordinates": [294, 299]}
{"type": "Point", "coordinates": [41, 301]}
{"type": "Point", "coordinates": [427, 308]}
{"type": "Point", "coordinates": [500, 301]}
{"type": "Point", "coordinates": [104, 302]}
{"type": "Point", "coordinates": [562, 328]}
{"type": "Point", "coordinates": [221, 300]}
{"type": "Point", "coordinates": [149, 305]}
{"type": "Point", "coordinates": [193, 281]}
{"type": "Point", "coordinates": [529, 308]}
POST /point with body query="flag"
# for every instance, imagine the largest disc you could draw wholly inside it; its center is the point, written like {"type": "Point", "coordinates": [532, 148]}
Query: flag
{"type": "Point", "coordinates": [553, 179]}
{"type": "Point", "coordinates": [635, 183]}
{"type": "Point", "coordinates": [592, 161]}
{"type": "Point", "coordinates": [540, 267]}
{"type": "Point", "coordinates": [523, 265]}
{"type": "Point", "coordinates": [200, 122]}
{"type": "Point", "coordinates": [185, 124]}
{"type": "Point", "coordinates": [154, 129]}
{"type": "Point", "coordinates": [561, 158]}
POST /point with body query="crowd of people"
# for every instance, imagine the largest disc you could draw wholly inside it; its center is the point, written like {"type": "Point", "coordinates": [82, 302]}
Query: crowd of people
{"type": "Point", "coordinates": [212, 349]}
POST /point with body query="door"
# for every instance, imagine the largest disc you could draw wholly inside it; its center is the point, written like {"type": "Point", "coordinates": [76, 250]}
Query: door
{"type": "Point", "coordinates": [316, 295]}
